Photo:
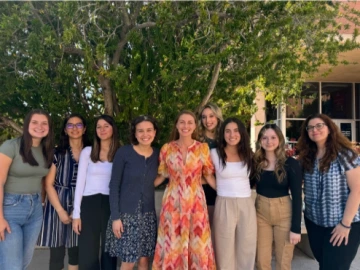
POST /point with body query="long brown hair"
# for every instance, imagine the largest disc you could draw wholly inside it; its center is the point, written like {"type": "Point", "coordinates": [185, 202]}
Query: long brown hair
{"type": "Point", "coordinates": [95, 151]}
{"type": "Point", "coordinates": [47, 143]}
{"type": "Point", "coordinates": [243, 148]}
{"type": "Point", "coordinates": [175, 133]}
{"type": "Point", "coordinates": [335, 143]}
{"type": "Point", "coordinates": [260, 160]}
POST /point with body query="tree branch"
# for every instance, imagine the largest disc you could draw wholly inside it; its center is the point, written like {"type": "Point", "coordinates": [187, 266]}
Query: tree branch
{"type": "Point", "coordinates": [211, 87]}
{"type": "Point", "coordinates": [73, 50]}
{"type": "Point", "coordinates": [10, 123]}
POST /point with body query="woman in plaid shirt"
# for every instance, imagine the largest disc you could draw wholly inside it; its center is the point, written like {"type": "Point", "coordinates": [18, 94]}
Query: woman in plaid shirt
{"type": "Point", "coordinates": [331, 171]}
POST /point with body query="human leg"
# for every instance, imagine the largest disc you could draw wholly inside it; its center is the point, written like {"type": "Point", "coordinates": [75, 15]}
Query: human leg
{"type": "Point", "coordinates": [89, 238]}
{"type": "Point", "coordinates": [340, 257]}
{"type": "Point", "coordinates": [107, 262]}
{"type": "Point", "coordinates": [31, 228]}
{"type": "Point", "coordinates": [284, 250]}
{"type": "Point", "coordinates": [73, 254]}
{"type": "Point", "coordinates": [246, 231]}
{"type": "Point", "coordinates": [265, 233]}
{"type": "Point", "coordinates": [224, 231]}
{"type": "Point", "coordinates": [57, 255]}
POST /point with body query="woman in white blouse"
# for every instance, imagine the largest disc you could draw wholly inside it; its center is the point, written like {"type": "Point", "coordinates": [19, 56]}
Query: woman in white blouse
{"type": "Point", "coordinates": [235, 215]}
{"type": "Point", "coordinates": [91, 203]}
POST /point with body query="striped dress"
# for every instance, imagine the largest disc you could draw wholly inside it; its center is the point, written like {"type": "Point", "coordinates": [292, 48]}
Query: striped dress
{"type": "Point", "coordinates": [54, 233]}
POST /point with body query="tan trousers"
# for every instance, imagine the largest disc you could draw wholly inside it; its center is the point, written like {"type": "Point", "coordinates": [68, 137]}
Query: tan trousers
{"type": "Point", "coordinates": [235, 233]}
{"type": "Point", "coordinates": [273, 225]}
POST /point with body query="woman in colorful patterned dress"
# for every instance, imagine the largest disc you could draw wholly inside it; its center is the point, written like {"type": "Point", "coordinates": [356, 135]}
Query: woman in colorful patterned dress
{"type": "Point", "coordinates": [184, 240]}
{"type": "Point", "coordinates": [60, 183]}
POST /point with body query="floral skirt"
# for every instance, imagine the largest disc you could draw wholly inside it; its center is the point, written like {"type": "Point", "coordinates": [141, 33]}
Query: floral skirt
{"type": "Point", "coordinates": [137, 240]}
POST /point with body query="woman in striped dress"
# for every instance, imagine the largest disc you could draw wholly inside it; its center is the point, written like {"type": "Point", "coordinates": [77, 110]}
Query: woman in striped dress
{"type": "Point", "coordinates": [56, 231]}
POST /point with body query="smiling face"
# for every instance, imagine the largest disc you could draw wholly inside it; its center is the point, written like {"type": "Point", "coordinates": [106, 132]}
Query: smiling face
{"type": "Point", "coordinates": [74, 128]}
{"type": "Point", "coordinates": [38, 126]}
{"type": "Point", "coordinates": [145, 133]}
{"type": "Point", "coordinates": [186, 125]}
{"type": "Point", "coordinates": [318, 132]}
{"type": "Point", "coordinates": [232, 134]}
{"type": "Point", "coordinates": [104, 130]}
{"type": "Point", "coordinates": [269, 140]}
{"type": "Point", "coordinates": [209, 119]}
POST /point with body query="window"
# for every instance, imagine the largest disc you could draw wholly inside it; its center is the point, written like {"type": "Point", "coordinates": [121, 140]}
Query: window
{"type": "Point", "coordinates": [336, 100]}
{"type": "Point", "coordinates": [306, 104]}
{"type": "Point", "coordinates": [357, 102]}
{"type": "Point", "coordinates": [293, 129]}
{"type": "Point", "coordinates": [270, 111]}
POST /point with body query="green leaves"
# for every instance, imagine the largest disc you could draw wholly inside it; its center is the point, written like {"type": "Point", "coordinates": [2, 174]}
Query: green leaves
{"type": "Point", "coordinates": [131, 58]}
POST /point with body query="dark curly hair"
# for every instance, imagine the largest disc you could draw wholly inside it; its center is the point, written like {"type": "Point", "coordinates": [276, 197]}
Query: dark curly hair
{"type": "Point", "coordinates": [335, 143]}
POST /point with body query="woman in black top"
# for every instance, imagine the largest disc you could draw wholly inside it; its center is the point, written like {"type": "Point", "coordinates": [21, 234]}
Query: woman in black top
{"type": "Point", "coordinates": [131, 233]}
{"type": "Point", "coordinates": [210, 121]}
{"type": "Point", "coordinates": [278, 215]}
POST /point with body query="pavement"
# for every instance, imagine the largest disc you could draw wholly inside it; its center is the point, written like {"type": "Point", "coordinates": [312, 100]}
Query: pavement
{"type": "Point", "coordinates": [300, 261]}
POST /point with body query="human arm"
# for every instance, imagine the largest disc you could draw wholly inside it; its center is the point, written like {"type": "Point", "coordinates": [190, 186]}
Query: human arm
{"type": "Point", "coordinates": [162, 170]}
{"type": "Point", "coordinates": [80, 187]}
{"type": "Point", "coordinates": [159, 180]}
{"type": "Point", "coordinates": [54, 197]}
{"type": "Point", "coordinates": [340, 232]}
{"type": "Point", "coordinates": [294, 176]}
{"type": "Point", "coordinates": [5, 163]}
{"type": "Point", "coordinates": [115, 182]}
{"type": "Point", "coordinates": [210, 179]}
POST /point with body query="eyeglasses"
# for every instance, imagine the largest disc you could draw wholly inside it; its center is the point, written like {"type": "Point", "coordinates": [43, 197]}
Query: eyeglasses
{"type": "Point", "coordinates": [318, 126]}
{"type": "Point", "coordinates": [71, 126]}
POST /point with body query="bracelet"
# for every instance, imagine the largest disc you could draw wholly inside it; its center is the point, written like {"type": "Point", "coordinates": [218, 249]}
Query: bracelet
{"type": "Point", "coordinates": [342, 224]}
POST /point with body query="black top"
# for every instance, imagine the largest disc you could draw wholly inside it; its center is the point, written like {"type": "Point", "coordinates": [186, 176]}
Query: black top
{"type": "Point", "coordinates": [268, 186]}
{"type": "Point", "coordinates": [132, 180]}
{"type": "Point", "coordinates": [210, 193]}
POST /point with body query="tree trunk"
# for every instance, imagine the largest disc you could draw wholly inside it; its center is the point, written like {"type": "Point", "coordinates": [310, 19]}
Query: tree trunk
{"type": "Point", "coordinates": [211, 87]}
{"type": "Point", "coordinates": [108, 96]}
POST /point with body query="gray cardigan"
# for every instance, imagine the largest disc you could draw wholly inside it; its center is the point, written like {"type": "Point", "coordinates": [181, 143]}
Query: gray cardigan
{"type": "Point", "coordinates": [132, 180]}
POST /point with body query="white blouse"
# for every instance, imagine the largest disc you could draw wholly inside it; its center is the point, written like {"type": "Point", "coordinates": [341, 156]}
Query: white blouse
{"type": "Point", "coordinates": [233, 180]}
{"type": "Point", "coordinates": [93, 178]}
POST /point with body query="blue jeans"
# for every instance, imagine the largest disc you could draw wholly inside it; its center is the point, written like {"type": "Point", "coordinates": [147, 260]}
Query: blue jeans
{"type": "Point", "coordinates": [24, 214]}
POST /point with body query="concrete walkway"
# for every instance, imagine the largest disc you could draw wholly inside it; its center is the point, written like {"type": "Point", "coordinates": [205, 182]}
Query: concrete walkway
{"type": "Point", "coordinates": [300, 262]}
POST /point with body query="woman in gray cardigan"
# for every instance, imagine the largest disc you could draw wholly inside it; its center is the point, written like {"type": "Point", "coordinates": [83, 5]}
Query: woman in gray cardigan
{"type": "Point", "coordinates": [131, 233]}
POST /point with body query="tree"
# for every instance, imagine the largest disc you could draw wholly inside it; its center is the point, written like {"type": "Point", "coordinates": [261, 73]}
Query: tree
{"type": "Point", "coordinates": [131, 58]}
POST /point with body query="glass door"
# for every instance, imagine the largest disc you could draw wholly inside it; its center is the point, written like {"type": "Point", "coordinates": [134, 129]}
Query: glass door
{"type": "Point", "coordinates": [347, 128]}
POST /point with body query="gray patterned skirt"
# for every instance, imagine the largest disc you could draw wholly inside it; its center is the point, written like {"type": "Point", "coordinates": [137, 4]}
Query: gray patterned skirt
{"type": "Point", "coordinates": [137, 240]}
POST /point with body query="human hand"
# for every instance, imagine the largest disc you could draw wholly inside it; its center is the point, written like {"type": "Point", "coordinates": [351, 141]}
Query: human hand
{"type": "Point", "coordinates": [4, 225]}
{"type": "Point", "coordinates": [76, 225]}
{"type": "Point", "coordinates": [339, 234]}
{"type": "Point", "coordinates": [117, 228]}
{"type": "Point", "coordinates": [64, 217]}
{"type": "Point", "coordinates": [295, 238]}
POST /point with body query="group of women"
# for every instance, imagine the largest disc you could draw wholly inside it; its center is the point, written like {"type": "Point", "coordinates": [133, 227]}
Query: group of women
{"type": "Point", "coordinates": [100, 198]}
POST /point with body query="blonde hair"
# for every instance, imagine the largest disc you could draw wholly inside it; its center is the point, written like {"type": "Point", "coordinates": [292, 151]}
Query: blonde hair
{"type": "Point", "coordinates": [218, 114]}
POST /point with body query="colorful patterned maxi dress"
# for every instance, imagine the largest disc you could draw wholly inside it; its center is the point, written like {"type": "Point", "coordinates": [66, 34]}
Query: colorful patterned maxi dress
{"type": "Point", "coordinates": [184, 240]}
